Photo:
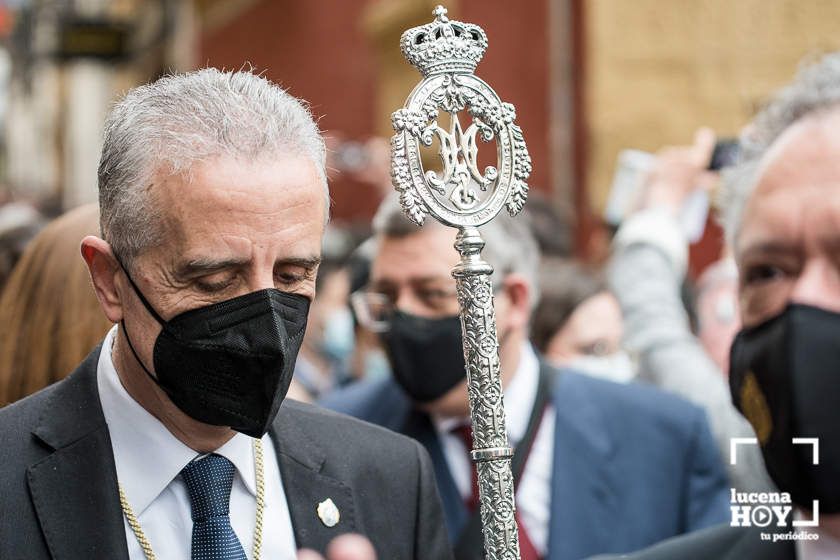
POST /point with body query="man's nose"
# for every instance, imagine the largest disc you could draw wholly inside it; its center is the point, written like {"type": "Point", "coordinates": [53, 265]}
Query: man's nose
{"type": "Point", "coordinates": [261, 281]}
{"type": "Point", "coordinates": [818, 285]}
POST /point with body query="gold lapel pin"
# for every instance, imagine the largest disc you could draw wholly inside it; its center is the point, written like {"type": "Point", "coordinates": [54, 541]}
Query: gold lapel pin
{"type": "Point", "coordinates": [328, 513]}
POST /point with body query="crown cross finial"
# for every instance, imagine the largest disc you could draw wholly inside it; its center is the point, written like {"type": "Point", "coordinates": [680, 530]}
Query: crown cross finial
{"type": "Point", "coordinates": [444, 45]}
{"type": "Point", "coordinates": [440, 13]}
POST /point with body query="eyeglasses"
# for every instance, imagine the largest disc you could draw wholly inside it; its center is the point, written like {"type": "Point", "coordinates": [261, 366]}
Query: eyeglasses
{"type": "Point", "coordinates": [372, 309]}
{"type": "Point", "coordinates": [375, 309]}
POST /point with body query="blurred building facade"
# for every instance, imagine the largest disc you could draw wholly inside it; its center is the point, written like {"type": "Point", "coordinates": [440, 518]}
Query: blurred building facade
{"type": "Point", "coordinates": [588, 77]}
{"type": "Point", "coordinates": [344, 58]}
{"type": "Point", "coordinates": [70, 60]}
{"type": "Point", "coordinates": [655, 71]}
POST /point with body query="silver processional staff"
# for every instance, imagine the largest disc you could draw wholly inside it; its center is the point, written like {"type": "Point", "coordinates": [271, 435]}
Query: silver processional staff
{"type": "Point", "coordinates": [463, 196]}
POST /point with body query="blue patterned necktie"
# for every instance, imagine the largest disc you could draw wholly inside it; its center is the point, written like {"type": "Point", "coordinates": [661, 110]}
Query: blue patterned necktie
{"type": "Point", "coordinates": [209, 481]}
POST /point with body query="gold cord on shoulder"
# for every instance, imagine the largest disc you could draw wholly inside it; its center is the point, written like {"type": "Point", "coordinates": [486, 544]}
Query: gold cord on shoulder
{"type": "Point", "coordinates": [135, 526]}
{"type": "Point", "coordinates": [258, 525]}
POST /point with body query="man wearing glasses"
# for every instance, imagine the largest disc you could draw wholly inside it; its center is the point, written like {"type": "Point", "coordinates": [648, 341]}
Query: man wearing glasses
{"type": "Point", "coordinates": [598, 466]}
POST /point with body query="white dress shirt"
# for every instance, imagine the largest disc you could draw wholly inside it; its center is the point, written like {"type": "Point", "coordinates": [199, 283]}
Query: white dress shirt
{"type": "Point", "coordinates": [149, 460]}
{"type": "Point", "coordinates": [533, 495]}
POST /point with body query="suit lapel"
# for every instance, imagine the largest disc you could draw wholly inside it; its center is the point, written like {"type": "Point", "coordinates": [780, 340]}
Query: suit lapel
{"type": "Point", "coordinates": [74, 488]}
{"type": "Point", "coordinates": [419, 427]}
{"type": "Point", "coordinates": [301, 463]}
{"type": "Point", "coordinates": [583, 486]}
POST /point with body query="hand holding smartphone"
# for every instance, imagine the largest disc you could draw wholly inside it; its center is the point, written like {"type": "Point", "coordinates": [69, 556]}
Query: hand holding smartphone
{"type": "Point", "coordinates": [677, 178]}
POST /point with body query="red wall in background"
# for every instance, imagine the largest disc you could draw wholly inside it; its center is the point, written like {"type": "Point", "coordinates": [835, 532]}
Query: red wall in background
{"type": "Point", "coordinates": [516, 66]}
{"type": "Point", "coordinates": [316, 49]}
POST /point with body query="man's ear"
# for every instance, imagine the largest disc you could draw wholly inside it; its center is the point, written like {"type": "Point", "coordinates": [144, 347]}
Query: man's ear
{"type": "Point", "coordinates": [518, 292]}
{"type": "Point", "coordinates": [104, 269]}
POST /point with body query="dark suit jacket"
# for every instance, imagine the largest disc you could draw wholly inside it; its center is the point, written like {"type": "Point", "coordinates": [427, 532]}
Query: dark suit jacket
{"type": "Point", "coordinates": [717, 543]}
{"type": "Point", "coordinates": [632, 465]}
{"type": "Point", "coordinates": [58, 485]}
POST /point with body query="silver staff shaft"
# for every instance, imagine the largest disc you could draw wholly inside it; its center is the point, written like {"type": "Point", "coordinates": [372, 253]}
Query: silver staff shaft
{"type": "Point", "coordinates": [491, 451]}
{"type": "Point", "coordinates": [464, 196]}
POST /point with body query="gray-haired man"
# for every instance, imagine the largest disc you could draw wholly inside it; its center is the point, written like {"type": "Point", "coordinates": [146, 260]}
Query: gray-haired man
{"type": "Point", "coordinates": [170, 440]}
{"type": "Point", "coordinates": [783, 223]}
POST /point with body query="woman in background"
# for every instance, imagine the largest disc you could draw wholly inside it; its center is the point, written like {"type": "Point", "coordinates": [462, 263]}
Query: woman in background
{"type": "Point", "coordinates": [48, 310]}
{"type": "Point", "coordinates": [577, 323]}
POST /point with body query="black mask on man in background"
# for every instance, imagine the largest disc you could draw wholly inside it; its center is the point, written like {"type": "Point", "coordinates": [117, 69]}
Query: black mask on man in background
{"type": "Point", "coordinates": [426, 355]}
{"type": "Point", "coordinates": [785, 378]}
{"type": "Point", "coordinates": [229, 363]}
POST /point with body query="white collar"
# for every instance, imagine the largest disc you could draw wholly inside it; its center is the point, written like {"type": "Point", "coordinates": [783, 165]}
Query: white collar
{"type": "Point", "coordinates": [519, 397]}
{"type": "Point", "coordinates": [146, 454]}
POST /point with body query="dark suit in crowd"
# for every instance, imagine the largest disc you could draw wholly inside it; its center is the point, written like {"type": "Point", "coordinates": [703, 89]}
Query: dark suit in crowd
{"type": "Point", "coordinates": [58, 484]}
{"type": "Point", "coordinates": [632, 465]}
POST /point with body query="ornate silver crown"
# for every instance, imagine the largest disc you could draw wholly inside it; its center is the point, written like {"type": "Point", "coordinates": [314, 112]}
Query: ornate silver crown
{"type": "Point", "coordinates": [444, 45]}
{"type": "Point", "coordinates": [460, 193]}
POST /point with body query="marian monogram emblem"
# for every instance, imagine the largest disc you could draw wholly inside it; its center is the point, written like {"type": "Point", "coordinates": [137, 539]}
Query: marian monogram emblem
{"type": "Point", "coordinates": [461, 194]}
{"type": "Point", "coordinates": [459, 152]}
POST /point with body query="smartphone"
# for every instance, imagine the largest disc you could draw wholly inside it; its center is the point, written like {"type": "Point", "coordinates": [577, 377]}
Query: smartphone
{"type": "Point", "coordinates": [725, 154]}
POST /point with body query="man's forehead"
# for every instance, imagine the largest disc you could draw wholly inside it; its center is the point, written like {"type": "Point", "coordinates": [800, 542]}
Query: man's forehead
{"type": "Point", "coordinates": [279, 188]}
{"type": "Point", "coordinates": [807, 153]}
{"type": "Point", "coordinates": [427, 254]}
{"type": "Point", "coordinates": [228, 211]}
{"type": "Point", "coordinates": [797, 180]}
{"type": "Point", "coordinates": [234, 183]}
{"type": "Point", "coordinates": [796, 202]}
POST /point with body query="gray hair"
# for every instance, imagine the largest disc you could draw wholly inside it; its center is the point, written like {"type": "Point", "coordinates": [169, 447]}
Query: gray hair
{"type": "Point", "coordinates": [179, 120]}
{"type": "Point", "coordinates": [510, 246]}
{"type": "Point", "coordinates": [815, 89]}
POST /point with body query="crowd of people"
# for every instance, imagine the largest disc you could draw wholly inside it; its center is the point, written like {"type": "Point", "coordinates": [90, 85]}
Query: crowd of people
{"type": "Point", "coordinates": [169, 379]}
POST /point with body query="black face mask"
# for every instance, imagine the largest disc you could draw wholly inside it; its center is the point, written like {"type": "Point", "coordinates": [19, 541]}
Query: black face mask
{"type": "Point", "coordinates": [426, 355]}
{"type": "Point", "coordinates": [229, 363]}
{"type": "Point", "coordinates": [785, 378]}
